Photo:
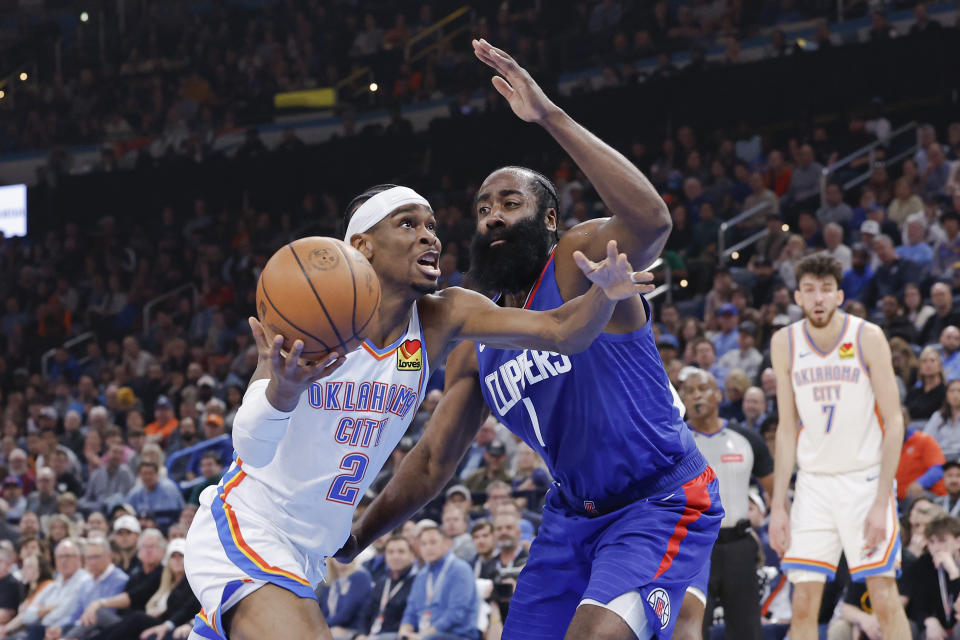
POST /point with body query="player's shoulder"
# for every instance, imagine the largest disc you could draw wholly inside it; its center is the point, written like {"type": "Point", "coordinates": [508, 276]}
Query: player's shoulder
{"type": "Point", "coordinates": [780, 341]}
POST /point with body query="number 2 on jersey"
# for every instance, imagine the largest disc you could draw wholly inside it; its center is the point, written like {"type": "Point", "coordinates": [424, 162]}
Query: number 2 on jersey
{"type": "Point", "coordinates": [828, 409]}
{"type": "Point", "coordinates": [344, 489]}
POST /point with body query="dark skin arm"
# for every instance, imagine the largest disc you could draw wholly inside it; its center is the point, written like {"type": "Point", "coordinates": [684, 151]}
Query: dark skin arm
{"type": "Point", "coordinates": [640, 220]}
{"type": "Point", "coordinates": [432, 462]}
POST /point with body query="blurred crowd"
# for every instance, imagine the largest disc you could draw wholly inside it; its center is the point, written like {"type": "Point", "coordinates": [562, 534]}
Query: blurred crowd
{"type": "Point", "coordinates": [185, 72]}
{"type": "Point", "coordinates": [116, 414]}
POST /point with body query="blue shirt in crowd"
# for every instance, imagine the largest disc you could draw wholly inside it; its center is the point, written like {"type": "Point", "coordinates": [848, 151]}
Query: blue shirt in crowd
{"type": "Point", "coordinates": [453, 608]}
{"type": "Point", "coordinates": [921, 253]}
{"type": "Point", "coordinates": [854, 283]}
{"type": "Point", "coordinates": [724, 342]}
{"type": "Point", "coordinates": [106, 585]}
{"type": "Point", "coordinates": [164, 497]}
{"type": "Point", "coordinates": [344, 602]}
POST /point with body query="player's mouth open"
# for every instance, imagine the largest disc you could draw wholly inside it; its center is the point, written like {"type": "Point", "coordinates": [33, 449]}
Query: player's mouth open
{"type": "Point", "coordinates": [428, 264]}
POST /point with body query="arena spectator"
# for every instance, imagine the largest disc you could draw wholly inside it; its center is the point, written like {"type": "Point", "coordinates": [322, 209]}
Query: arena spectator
{"type": "Point", "coordinates": [108, 580]}
{"type": "Point", "coordinates": [10, 587]}
{"type": "Point", "coordinates": [927, 395]}
{"type": "Point", "coordinates": [385, 608]}
{"type": "Point", "coordinates": [915, 247]}
{"type": "Point", "coordinates": [211, 469]}
{"type": "Point", "coordinates": [170, 606]}
{"type": "Point", "coordinates": [440, 609]}
{"type": "Point", "coordinates": [43, 501]}
{"type": "Point", "coordinates": [833, 239]}
{"type": "Point", "coordinates": [936, 578]}
{"type": "Point", "coordinates": [109, 483]}
{"type": "Point", "coordinates": [66, 478]}
{"type": "Point", "coordinates": [745, 356]}
{"type": "Point", "coordinates": [905, 202]}
{"type": "Point", "coordinates": [484, 542]}
{"type": "Point", "coordinates": [950, 502]}
{"type": "Point", "coordinates": [946, 254]}
{"type": "Point", "coordinates": [494, 458]}
{"type": "Point", "coordinates": [213, 427]}
{"type": "Point", "coordinates": [56, 604]}
{"type": "Point", "coordinates": [503, 567]}
{"type": "Point", "coordinates": [754, 409]}
{"type": "Point", "coordinates": [893, 274]}
{"type": "Point", "coordinates": [454, 524]}
{"type": "Point", "coordinates": [834, 209]}
{"type": "Point", "coordinates": [723, 287]}
{"type": "Point", "coordinates": [165, 421]}
{"type": "Point", "coordinates": [921, 466]}
{"type": "Point", "coordinates": [530, 476]}
{"type": "Point", "coordinates": [727, 337]}
{"type": "Point", "coordinates": [126, 537]}
{"type": "Point", "coordinates": [950, 352]}
{"type": "Point", "coordinates": [13, 495]}
{"type": "Point", "coordinates": [156, 495]}
{"type": "Point", "coordinates": [144, 581]}
{"type": "Point", "coordinates": [944, 425]}
{"type": "Point", "coordinates": [705, 357]}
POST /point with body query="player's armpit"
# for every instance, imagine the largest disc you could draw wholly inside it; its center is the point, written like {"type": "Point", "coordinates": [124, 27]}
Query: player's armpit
{"type": "Point", "coordinates": [431, 463]}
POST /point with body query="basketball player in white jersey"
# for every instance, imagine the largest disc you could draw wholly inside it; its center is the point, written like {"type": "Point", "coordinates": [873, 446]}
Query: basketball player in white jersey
{"type": "Point", "coordinates": [841, 424]}
{"type": "Point", "coordinates": [310, 438]}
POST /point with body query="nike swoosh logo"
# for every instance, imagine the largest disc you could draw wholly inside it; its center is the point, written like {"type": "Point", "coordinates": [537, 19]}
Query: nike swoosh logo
{"type": "Point", "coordinates": [872, 478]}
{"type": "Point", "coordinates": [804, 355]}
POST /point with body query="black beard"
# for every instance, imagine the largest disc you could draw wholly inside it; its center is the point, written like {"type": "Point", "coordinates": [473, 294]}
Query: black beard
{"type": "Point", "coordinates": [513, 266]}
{"type": "Point", "coordinates": [424, 289]}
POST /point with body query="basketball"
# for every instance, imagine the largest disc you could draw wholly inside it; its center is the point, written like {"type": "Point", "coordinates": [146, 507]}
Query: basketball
{"type": "Point", "coordinates": [321, 291]}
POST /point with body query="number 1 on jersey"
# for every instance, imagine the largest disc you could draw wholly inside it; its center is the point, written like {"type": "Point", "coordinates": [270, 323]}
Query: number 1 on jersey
{"type": "Point", "coordinates": [828, 409]}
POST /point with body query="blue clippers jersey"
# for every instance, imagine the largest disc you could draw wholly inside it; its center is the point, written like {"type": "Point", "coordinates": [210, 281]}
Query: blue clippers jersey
{"type": "Point", "coordinates": [604, 419]}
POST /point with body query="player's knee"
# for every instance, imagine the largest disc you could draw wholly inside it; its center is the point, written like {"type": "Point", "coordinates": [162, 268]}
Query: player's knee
{"type": "Point", "coordinates": [805, 605]}
{"type": "Point", "coordinates": [885, 598]}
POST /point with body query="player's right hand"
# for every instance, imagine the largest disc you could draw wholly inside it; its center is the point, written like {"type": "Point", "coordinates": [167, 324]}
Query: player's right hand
{"type": "Point", "coordinates": [289, 377]}
{"type": "Point", "coordinates": [779, 530]}
{"type": "Point", "coordinates": [349, 550]}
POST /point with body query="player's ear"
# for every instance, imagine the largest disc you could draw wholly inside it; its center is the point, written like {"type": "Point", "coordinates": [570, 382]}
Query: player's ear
{"type": "Point", "coordinates": [362, 243]}
{"type": "Point", "coordinates": [796, 296]}
{"type": "Point", "coordinates": [550, 219]}
{"type": "Point", "coordinates": [840, 296]}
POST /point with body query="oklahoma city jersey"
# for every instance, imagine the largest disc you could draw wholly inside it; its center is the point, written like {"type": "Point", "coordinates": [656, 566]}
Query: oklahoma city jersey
{"type": "Point", "coordinates": [840, 426]}
{"type": "Point", "coordinates": [338, 438]}
{"type": "Point", "coordinates": [605, 420]}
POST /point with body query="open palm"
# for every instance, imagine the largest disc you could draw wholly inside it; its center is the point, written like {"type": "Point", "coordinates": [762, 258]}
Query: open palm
{"type": "Point", "coordinates": [525, 96]}
{"type": "Point", "coordinates": [614, 274]}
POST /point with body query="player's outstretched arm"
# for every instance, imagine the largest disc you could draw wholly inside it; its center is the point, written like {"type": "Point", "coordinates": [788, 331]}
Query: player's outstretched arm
{"type": "Point", "coordinates": [432, 462]}
{"type": "Point", "coordinates": [569, 328]}
{"type": "Point", "coordinates": [785, 455]}
{"type": "Point", "coordinates": [876, 354]}
{"type": "Point", "coordinates": [273, 394]}
{"type": "Point", "coordinates": [641, 221]}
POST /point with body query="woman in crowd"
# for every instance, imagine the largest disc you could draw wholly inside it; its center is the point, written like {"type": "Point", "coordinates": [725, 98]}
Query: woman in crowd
{"type": "Point", "coordinates": [531, 475]}
{"type": "Point", "coordinates": [734, 388]}
{"type": "Point", "coordinates": [35, 574]}
{"type": "Point", "coordinates": [690, 330]}
{"type": "Point", "coordinates": [59, 527]}
{"type": "Point", "coordinates": [944, 425]}
{"type": "Point", "coordinates": [917, 311]}
{"type": "Point", "coordinates": [343, 598]}
{"type": "Point", "coordinates": [927, 394]}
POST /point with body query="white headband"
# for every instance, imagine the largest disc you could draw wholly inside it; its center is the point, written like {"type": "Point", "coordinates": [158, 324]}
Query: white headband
{"type": "Point", "coordinates": [379, 207]}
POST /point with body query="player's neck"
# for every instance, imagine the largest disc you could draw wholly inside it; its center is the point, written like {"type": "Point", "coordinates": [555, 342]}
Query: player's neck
{"type": "Point", "coordinates": [391, 321]}
{"type": "Point", "coordinates": [826, 337]}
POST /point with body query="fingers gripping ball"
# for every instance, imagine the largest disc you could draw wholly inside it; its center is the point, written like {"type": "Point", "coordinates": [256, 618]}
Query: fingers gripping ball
{"type": "Point", "coordinates": [321, 291]}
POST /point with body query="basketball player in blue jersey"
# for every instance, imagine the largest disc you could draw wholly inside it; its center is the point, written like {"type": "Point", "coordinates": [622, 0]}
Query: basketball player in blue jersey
{"type": "Point", "coordinates": [636, 510]}
{"type": "Point", "coordinates": [311, 438]}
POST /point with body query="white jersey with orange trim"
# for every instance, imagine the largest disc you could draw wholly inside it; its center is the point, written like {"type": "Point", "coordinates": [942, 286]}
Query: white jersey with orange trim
{"type": "Point", "coordinates": [840, 429]}
{"type": "Point", "coordinates": [338, 438]}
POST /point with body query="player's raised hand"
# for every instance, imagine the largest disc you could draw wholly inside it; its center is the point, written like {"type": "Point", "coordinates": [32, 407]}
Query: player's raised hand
{"type": "Point", "coordinates": [289, 375]}
{"type": "Point", "coordinates": [779, 530]}
{"type": "Point", "coordinates": [525, 96]}
{"type": "Point", "coordinates": [614, 274]}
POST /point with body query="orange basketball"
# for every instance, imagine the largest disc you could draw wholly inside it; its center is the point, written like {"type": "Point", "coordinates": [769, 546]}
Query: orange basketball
{"type": "Point", "coordinates": [321, 291]}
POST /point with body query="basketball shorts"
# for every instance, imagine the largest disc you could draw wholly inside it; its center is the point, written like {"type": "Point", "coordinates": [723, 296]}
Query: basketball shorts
{"type": "Point", "coordinates": [232, 553]}
{"type": "Point", "coordinates": [828, 516]}
{"type": "Point", "coordinates": [655, 546]}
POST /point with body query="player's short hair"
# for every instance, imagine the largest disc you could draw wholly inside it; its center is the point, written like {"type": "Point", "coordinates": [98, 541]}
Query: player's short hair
{"type": "Point", "coordinates": [360, 199]}
{"type": "Point", "coordinates": [482, 524]}
{"type": "Point", "coordinates": [819, 265]}
{"type": "Point", "coordinates": [942, 526]}
{"type": "Point", "coordinates": [542, 187]}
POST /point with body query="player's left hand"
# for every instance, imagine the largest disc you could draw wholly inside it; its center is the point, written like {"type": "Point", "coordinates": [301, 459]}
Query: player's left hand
{"type": "Point", "coordinates": [348, 551]}
{"type": "Point", "coordinates": [875, 527]}
{"type": "Point", "coordinates": [614, 274]}
{"type": "Point", "coordinates": [525, 96]}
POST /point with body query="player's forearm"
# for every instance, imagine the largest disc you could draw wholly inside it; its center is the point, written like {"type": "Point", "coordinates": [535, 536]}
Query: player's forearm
{"type": "Point", "coordinates": [416, 482]}
{"type": "Point", "coordinates": [578, 322]}
{"type": "Point", "coordinates": [626, 192]}
{"type": "Point", "coordinates": [784, 461]}
{"type": "Point", "coordinates": [258, 426]}
{"type": "Point", "coordinates": [889, 456]}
